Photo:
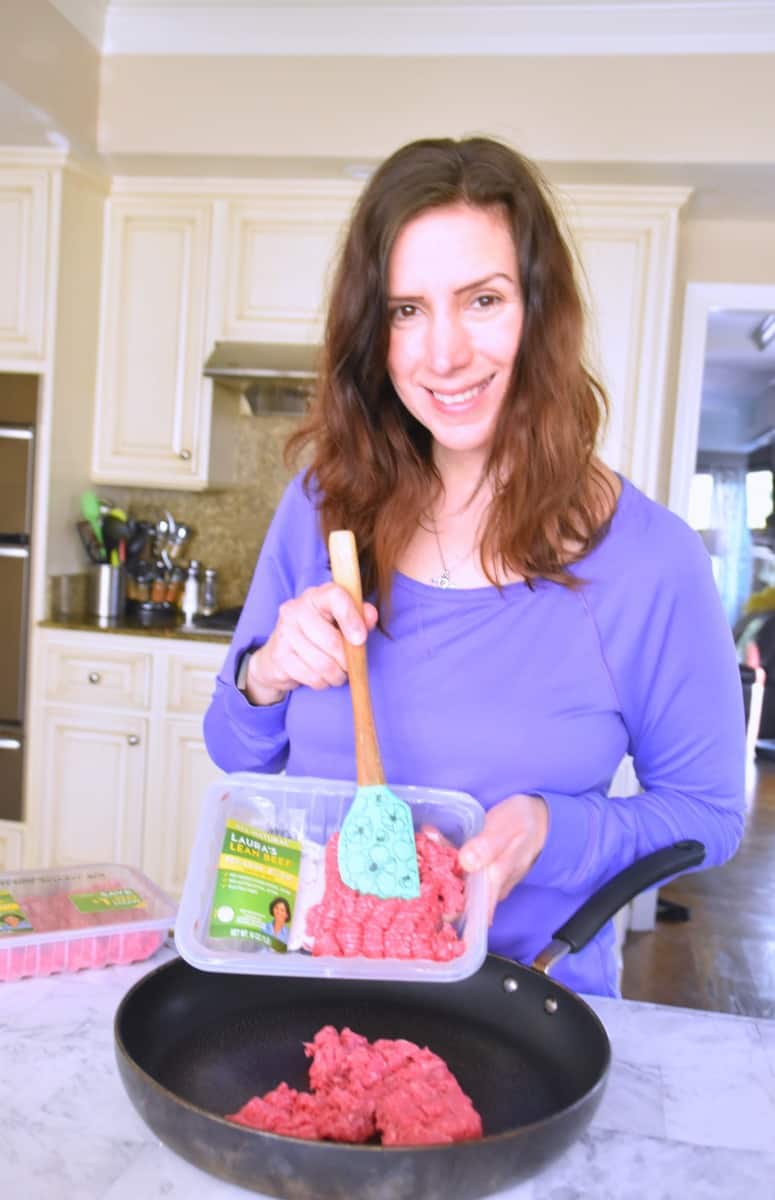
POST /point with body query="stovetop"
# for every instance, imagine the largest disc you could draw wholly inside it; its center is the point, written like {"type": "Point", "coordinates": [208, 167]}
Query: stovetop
{"type": "Point", "coordinates": [223, 620]}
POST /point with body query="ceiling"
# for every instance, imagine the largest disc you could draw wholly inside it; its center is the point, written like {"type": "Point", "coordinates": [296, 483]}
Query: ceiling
{"type": "Point", "coordinates": [425, 27]}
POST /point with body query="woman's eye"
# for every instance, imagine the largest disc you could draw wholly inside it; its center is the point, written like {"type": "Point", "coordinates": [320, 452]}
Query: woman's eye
{"type": "Point", "coordinates": [487, 300]}
{"type": "Point", "coordinates": [402, 312]}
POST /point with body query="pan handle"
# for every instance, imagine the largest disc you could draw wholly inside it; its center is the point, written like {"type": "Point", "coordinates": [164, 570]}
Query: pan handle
{"type": "Point", "coordinates": [602, 904]}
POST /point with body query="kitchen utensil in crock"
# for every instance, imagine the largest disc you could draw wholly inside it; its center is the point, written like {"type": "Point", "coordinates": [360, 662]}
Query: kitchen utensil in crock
{"type": "Point", "coordinates": [532, 1055]}
{"type": "Point", "coordinates": [376, 851]}
{"type": "Point", "coordinates": [90, 511]}
{"type": "Point", "coordinates": [114, 530]}
{"type": "Point", "coordinates": [182, 536]}
{"type": "Point", "coordinates": [94, 549]}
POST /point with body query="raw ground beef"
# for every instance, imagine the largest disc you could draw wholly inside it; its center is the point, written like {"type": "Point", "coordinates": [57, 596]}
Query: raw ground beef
{"type": "Point", "coordinates": [347, 923]}
{"type": "Point", "coordinates": [402, 1092]}
{"type": "Point", "coordinates": [56, 912]}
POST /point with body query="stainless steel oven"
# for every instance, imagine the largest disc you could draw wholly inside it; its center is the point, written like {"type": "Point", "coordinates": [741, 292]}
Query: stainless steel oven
{"type": "Point", "coordinates": [17, 442]}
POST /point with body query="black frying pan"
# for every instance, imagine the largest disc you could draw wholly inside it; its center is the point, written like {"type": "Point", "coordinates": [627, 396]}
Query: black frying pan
{"type": "Point", "coordinates": [192, 1046]}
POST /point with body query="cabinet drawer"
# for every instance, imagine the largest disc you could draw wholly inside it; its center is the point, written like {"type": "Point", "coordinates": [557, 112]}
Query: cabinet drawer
{"type": "Point", "coordinates": [190, 684]}
{"type": "Point", "coordinates": [109, 677]}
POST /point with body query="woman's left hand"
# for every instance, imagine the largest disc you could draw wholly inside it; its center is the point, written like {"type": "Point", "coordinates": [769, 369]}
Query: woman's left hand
{"type": "Point", "coordinates": [513, 836]}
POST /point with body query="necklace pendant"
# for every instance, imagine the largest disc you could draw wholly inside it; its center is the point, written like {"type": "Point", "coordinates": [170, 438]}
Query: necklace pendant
{"type": "Point", "coordinates": [443, 580]}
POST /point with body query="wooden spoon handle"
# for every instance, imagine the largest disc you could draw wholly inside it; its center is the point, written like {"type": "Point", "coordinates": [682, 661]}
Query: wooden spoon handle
{"type": "Point", "coordinates": [346, 572]}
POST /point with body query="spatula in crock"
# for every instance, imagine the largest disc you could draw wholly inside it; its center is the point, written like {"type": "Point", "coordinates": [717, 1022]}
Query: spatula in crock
{"type": "Point", "coordinates": [377, 852]}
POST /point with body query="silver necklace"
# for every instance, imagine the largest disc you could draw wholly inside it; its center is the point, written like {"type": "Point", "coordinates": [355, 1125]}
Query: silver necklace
{"type": "Point", "coordinates": [444, 580]}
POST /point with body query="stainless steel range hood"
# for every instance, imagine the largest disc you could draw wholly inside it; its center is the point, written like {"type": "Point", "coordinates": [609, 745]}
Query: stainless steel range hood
{"type": "Point", "coordinates": [276, 377]}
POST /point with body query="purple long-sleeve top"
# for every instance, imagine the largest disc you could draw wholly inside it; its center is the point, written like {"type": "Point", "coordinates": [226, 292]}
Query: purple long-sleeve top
{"type": "Point", "coordinates": [540, 690]}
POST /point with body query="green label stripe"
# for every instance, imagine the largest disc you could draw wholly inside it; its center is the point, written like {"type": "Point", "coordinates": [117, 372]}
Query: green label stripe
{"type": "Point", "coordinates": [108, 901]}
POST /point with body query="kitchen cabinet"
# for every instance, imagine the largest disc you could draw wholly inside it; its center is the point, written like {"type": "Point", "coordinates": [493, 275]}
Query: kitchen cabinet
{"type": "Point", "coordinates": [158, 422]}
{"type": "Point", "coordinates": [11, 845]}
{"type": "Point", "coordinates": [121, 765]}
{"type": "Point", "coordinates": [626, 240]}
{"type": "Point", "coordinates": [92, 786]}
{"type": "Point", "coordinates": [24, 253]}
{"type": "Point", "coordinates": [280, 243]}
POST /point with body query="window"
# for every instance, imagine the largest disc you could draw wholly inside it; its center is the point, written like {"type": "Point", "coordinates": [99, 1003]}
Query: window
{"type": "Point", "coordinates": [758, 491]}
{"type": "Point", "coordinates": [700, 501]}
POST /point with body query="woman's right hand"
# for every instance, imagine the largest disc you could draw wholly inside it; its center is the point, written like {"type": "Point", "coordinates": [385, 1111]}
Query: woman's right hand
{"type": "Point", "coordinates": [306, 645]}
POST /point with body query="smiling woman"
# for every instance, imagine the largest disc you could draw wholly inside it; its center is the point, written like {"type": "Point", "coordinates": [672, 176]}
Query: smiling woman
{"type": "Point", "coordinates": [455, 332]}
{"type": "Point", "coordinates": [531, 616]}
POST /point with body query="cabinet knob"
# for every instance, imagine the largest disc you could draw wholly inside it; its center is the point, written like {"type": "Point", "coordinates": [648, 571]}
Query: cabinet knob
{"type": "Point", "coordinates": [133, 739]}
{"type": "Point", "coordinates": [94, 677]}
{"type": "Point", "coordinates": [185, 455]}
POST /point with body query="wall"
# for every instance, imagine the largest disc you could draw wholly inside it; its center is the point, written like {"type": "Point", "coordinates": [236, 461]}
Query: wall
{"type": "Point", "coordinates": [74, 361]}
{"type": "Point", "coordinates": [675, 109]}
{"type": "Point", "coordinates": [51, 66]}
{"type": "Point", "coordinates": [713, 251]}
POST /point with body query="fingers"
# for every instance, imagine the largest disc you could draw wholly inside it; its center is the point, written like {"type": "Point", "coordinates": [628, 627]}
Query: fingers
{"type": "Point", "coordinates": [307, 647]}
{"type": "Point", "coordinates": [514, 833]}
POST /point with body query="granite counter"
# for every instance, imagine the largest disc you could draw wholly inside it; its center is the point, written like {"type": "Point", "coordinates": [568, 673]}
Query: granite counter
{"type": "Point", "coordinates": [124, 625]}
{"type": "Point", "coordinates": [689, 1111]}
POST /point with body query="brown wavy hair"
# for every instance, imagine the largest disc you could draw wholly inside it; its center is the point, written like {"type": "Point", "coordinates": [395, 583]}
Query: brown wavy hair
{"type": "Point", "coordinates": [372, 460]}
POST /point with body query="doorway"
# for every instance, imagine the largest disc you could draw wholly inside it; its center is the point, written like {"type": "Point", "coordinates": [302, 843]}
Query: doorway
{"type": "Point", "coordinates": [723, 468]}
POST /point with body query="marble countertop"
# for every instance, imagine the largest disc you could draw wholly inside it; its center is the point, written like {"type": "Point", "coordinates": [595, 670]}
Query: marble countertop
{"type": "Point", "coordinates": [689, 1111]}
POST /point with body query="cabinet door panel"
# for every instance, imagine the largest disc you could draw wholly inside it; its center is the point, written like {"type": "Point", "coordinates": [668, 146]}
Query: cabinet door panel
{"type": "Point", "coordinates": [173, 808]}
{"type": "Point", "coordinates": [626, 241]}
{"type": "Point", "coordinates": [11, 845]}
{"type": "Point", "coordinates": [280, 250]}
{"type": "Point", "coordinates": [153, 406]}
{"type": "Point", "coordinates": [92, 788]}
{"type": "Point", "coordinates": [23, 253]}
{"type": "Point", "coordinates": [191, 682]}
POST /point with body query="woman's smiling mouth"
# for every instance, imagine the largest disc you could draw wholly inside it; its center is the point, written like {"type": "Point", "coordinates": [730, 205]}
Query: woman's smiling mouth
{"type": "Point", "coordinates": [458, 399]}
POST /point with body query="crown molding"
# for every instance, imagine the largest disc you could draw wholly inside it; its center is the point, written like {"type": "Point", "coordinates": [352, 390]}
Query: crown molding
{"type": "Point", "coordinates": [525, 27]}
{"type": "Point", "coordinates": [89, 167]}
{"type": "Point", "coordinates": [87, 16]}
{"type": "Point", "coordinates": [32, 156]}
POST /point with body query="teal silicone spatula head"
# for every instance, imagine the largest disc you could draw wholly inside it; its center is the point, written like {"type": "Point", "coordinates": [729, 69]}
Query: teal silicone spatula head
{"type": "Point", "coordinates": [377, 852]}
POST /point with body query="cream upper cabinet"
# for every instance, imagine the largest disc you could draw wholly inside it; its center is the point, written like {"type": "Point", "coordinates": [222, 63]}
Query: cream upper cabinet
{"type": "Point", "coordinates": [626, 240]}
{"type": "Point", "coordinates": [280, 245]}
{"type": "Point", "coordinates": [154, 419]}
{"type": "Point", "coordinates": [24, 254]}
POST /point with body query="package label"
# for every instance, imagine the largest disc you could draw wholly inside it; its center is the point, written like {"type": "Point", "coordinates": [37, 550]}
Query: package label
{"type": "Point", "coordinates": [256, 886]}
{"type": "Point", "coordinates": [107, 901]}
{"type": "Point", "coordinates": [12, 918]}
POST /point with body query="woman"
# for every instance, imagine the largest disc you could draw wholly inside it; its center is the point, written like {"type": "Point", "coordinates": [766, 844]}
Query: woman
{"type": "Point", "coordinates": [278, 926]}
{"type": "Point", "coordinates": [532, 617]}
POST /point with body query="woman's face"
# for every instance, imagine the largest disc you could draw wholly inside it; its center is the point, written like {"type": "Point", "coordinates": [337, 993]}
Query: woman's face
{"type": "Point", "coordinates": [456, 315]}
{"type": "Point", "coordinates": [281, 914]}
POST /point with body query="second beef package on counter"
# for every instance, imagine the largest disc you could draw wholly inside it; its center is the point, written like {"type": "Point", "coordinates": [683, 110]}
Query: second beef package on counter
{"type": "Point", "coordinates": [263, 894]}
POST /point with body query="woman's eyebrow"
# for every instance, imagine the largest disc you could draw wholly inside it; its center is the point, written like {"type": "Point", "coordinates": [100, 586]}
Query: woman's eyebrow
{"type": "Point", "coordinates": [465, 287]}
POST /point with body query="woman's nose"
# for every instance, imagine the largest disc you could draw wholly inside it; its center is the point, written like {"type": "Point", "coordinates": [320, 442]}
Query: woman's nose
{"type": "Point", "coordinates": [448, 344]}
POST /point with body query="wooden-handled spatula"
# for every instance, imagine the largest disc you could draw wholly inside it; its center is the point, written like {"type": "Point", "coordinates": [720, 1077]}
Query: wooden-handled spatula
{"type": "Point", "coordinates": [377, 852]}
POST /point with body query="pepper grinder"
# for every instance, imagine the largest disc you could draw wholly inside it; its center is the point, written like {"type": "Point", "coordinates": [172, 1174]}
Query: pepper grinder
{"type": "Point", "coordinates": [209, 591]}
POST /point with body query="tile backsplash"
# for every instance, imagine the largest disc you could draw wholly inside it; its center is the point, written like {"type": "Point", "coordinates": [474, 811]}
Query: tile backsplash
{"type": "Point", "coordinates": [230, 524]}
